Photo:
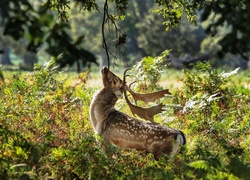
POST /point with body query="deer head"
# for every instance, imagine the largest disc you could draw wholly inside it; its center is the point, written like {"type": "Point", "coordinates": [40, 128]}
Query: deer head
{"type": "Point", "coordinates": [113, 82]}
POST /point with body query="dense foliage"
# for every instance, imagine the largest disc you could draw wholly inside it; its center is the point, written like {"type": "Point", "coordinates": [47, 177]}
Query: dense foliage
{"type": "Point", "coordinates": [36, 24]}
{"type": "Point", "coordinates": [233, 14]}
{"type": "Point", "coordinates": [47, 24]}
{"type": "Point", "coordinates": [45, 130]}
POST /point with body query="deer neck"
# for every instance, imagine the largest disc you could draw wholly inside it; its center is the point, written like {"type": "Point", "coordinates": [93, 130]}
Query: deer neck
{"type": "Point", "coordinates": [101, 106]}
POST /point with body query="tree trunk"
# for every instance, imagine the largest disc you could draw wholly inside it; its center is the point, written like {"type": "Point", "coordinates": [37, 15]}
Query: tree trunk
{"type": "Point", "coordinates": [5, 59]}
{"type": "Point", "coordinates": [29, 60]}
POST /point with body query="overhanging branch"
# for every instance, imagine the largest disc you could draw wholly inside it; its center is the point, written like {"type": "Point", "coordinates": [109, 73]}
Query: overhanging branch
{"type": "Point", "coordinates": [120, 37]}
{"type": "Point", "coordinates": [105, 11]}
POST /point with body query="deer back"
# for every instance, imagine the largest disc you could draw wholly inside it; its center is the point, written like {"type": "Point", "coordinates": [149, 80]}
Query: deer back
{"type": "Point", "coordinates": [127, 132]}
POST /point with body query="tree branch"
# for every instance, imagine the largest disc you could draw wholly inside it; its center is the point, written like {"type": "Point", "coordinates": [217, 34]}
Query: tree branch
{"type": "Point", "coordinates": [120, 37]}
{"type": "Point", "coordinates": [105, 11]}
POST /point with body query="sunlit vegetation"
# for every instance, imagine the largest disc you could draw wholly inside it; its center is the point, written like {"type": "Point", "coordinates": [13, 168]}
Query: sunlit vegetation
{"type": "Point", "coordinates": [45, 131]}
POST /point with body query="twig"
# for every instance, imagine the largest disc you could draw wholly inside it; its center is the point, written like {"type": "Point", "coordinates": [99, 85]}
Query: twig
{"type": "Point", "coordinates": [120, 37]}
{"type": "Point", "coordinates": [105, 11]}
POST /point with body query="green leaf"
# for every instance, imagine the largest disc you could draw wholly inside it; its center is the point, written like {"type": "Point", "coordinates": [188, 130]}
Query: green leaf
{"type": "Point", "coordinates": [200, 164]}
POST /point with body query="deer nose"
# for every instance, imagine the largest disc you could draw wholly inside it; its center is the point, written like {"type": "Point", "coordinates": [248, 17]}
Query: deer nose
{"type": "Point", "coordinates": [104, 70]}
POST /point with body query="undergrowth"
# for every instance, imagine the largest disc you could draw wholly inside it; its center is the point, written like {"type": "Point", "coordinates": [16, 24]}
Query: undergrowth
{"type": "Point", "coordinates": [45, 131]}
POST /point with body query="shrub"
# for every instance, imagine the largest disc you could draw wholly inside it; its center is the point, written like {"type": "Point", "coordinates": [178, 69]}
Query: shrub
{"type": "Point", "coordinates": [45, 131]}
{"type": "Point", "coordinates": [215, 113]}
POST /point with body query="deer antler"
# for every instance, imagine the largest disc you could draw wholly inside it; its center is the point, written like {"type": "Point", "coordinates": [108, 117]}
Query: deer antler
{"type": "Point", "coordinates": [148, 97]}
{"type": "Point", "coordinates": [145, 113]}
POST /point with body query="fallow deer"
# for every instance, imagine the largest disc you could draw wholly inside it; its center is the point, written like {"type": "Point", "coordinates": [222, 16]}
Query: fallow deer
{"type": "Point", "coordinates": [127, 132]}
